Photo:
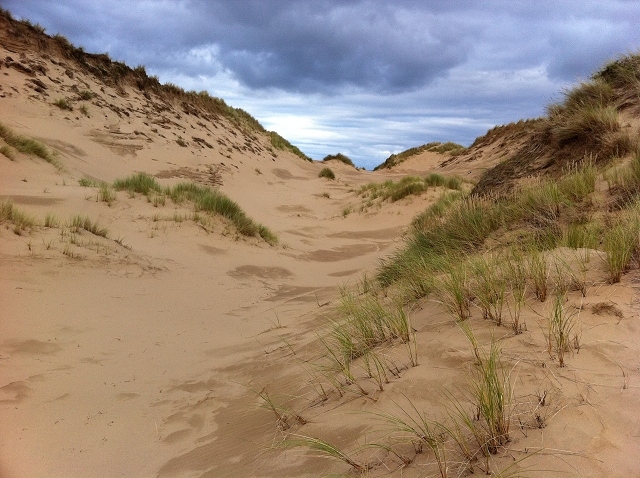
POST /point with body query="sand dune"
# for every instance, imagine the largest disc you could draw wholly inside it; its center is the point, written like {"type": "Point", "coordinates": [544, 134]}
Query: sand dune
{"type": "Point", "coordinates": [143, 353]}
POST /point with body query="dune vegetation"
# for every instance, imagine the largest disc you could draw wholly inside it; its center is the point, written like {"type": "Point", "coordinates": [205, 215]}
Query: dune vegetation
{"type": "Point", "coordinates": [204, 198]}
{"type": "Point", "coordinates": [488, 335]}
{"type": "Point", "coordinates": [493, 252]}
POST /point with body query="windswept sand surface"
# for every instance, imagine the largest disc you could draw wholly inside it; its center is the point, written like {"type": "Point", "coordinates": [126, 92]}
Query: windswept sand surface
{"type": "Point", "coordinates": [141, 354]}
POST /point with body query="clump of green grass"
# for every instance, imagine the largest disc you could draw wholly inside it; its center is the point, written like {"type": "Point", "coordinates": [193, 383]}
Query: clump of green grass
{"type": "Point", "coordinates": [84, 109]}
{"type": "Point", "coordinates": [588, 119]}
{"type": "Point", "coordinates": [80, 222]}
{"type": "Point", "coordinates": [63, 104]}
{"type": "Point", "coordinates": [435, 211]}
{"type": "Point", "coordinates": [413, 426]}
{"type": "Point", "coordinates": [516, 271]}
{"type": "Point", "coordinates": [8, 152]}
{"type": "Point", "coordinates": [453, 289]}
{"type": "Point", "coordinates": [204, 199]}
{"type": "Point", "coordinates": [214, 202]}
{"type": "Point", "coordinates": [492, 393]}
{"type": "Point", "coordinates": [407, 186]}
{"type": "Point", "coordinates": [106, 194]}
{"type": "Point", "coordinates": [540, 203]}
{"type": "Point", "coordinates": [86, 95]}
{"type": "Point", "coordinates": [620, 243]}
{"type": "Point", "coordinates": [580, 235]}
{"type": "Point", "coordinates": [91, 183]}
{"type": "Point", "coordinates": [463, 229]}
{"type": "Point", "coordinates": [28, 145]}
{"type": "Point", "coordinates": [561, 336]}
{"type": "Point", "coordinates": [142, 183]}
{"type": "Point", "coordinates": [489, 287]}
{"type": "Point", "coordinates": [580, 183]}
{"type": "Point", "coordinates": [624, 182]}
{"type": "Point", "coordinates": [538, 272]}
{"type": "Point", "coordinates": [327, 173]}
{"type": "Point", "coordinates": [50, 220]}
{"type": "Point", "coordinates": [19, 219]}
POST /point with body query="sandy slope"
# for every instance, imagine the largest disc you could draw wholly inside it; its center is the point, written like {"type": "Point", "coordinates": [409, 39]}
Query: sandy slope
{"type": "Point", "coordinates": [140, 354]}
{"type": "Point", "coordinates": [115, 360]}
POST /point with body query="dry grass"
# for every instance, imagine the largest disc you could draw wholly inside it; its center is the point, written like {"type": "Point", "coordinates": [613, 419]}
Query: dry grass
{"type": "Point", "coordinates": [28, 145]}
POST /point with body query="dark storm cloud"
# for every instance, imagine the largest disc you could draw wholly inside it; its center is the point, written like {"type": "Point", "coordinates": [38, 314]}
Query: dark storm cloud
{"type": "Point", "coordinates": [292, 45]}
{"type": "Point", "coordinates": [324, 45]}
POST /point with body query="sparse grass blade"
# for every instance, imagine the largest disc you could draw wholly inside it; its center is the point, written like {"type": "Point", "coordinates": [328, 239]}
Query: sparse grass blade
{"type": "Point", "coordinates": [538, 273]}
{"type": "Point", "coordinates": [561, 335]}
{"type": "Point", "coordinates": [491, 389]}
{"type": "Point", "coordinates": [418, 427]}
{"type": "Point", "coordinates": [620, 243]}
{"type": "Point", "coordinates": [453, 289]}
{"type": "Point", "coordinates": [325, 449]}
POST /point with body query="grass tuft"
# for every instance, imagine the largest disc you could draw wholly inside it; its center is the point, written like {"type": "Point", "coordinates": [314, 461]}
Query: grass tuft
{"type": "Point", "coordinates": [8, 152]}
{"type": "Point", "coordinates": [620, 244]}
{"type": "Point", "coordinates": [19, 219]}
{"type": "Point", "coordinates": [142, 183]}
{"type": "Point", "coordinates": [326, 449]}
{"type": "Point", "coordinates": [63, 104]}
{"type": "Point", "coordinates": [80, 222]}
{"type": "Point", "coordinates": [28, 145]}
{"type": "Point", "coordinates": [327, 173]}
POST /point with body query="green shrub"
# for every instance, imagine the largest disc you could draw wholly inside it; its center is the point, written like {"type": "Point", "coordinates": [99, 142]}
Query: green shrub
{"type": "Point", "coordinates": [142, 183]}
{"type": "Point", "coordinates": [327, 173]}
{"type": "Point", "coordinates": [63, 104]}
{"type": "Point", "coordinates": [8, 152]}
{"type": "Point", "coordinates": [86, 95]}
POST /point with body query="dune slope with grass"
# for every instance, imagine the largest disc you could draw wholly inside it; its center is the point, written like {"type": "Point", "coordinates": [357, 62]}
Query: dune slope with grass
{"type": "Point", "coordinates": [184, 294]}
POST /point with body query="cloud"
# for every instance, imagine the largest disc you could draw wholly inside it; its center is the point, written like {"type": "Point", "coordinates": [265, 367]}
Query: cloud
{"type": "Point", "coordinates": [359, 76]}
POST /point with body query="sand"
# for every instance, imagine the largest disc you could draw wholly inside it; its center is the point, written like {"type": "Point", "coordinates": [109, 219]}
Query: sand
{"type": "Point", "coordinates": [141, 354]}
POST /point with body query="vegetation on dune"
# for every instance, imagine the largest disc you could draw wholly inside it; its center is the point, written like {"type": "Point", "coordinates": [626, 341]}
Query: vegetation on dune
{"type": "Point", "coordinates": [203, 198]}
{"type": "Point", "coordinates": [327, 173]}
{"type": "Point", "coordinates": [23, 222]}
{"type": "Point", "coordinates": [407, 186]}
{"type": "Point", "coordinates": [282, 144]}
{"type": "Point", "coordinates": [26, 145]}
{"type": "Point", "coordinates": [435, 147]}
{"type": "Point", "coordinates": [63, 104]}
{"type": "Point", "coordinates": [490, 256]}
{"type": "Point", "coordinates": [20, 220]}
{"type": "Point", "coordinates": [591, 119]}
{"type": "Point", "coordinates": [119, 75]}
{"type": "Point", "coordinates": [339, 157]}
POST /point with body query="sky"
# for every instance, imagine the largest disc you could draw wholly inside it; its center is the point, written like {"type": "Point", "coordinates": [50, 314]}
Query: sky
{"type": "Point", "coordinates": [366, 78]}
